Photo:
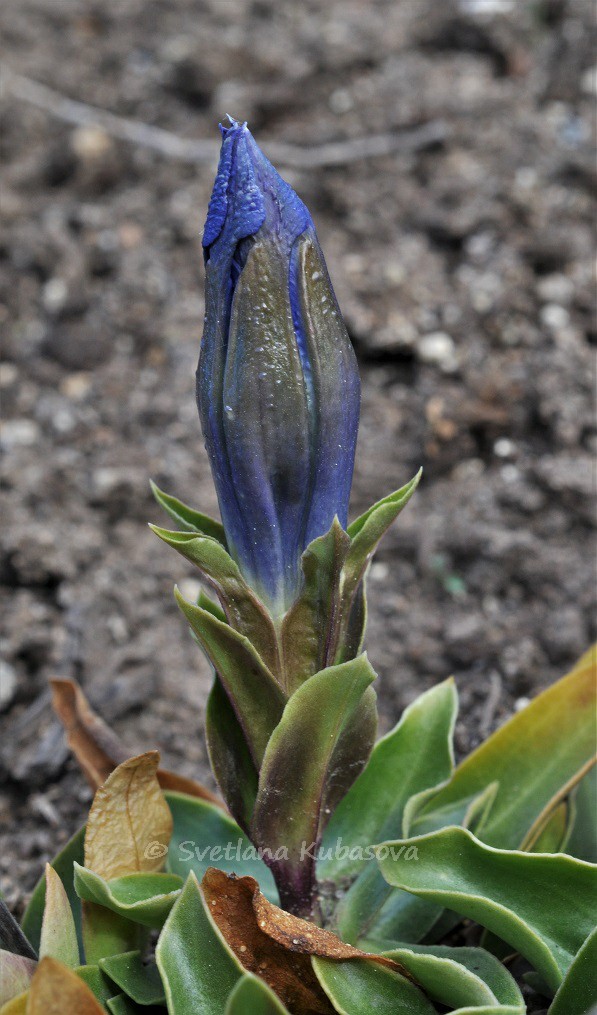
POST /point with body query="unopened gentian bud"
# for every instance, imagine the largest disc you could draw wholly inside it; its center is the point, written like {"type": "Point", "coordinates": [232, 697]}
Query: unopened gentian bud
{"type": "Point", "coordinates": [277, 384]}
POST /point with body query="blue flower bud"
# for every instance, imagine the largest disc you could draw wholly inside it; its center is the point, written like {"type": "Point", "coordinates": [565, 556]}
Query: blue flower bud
{"type": "Point", "coordinates": [277, 384]}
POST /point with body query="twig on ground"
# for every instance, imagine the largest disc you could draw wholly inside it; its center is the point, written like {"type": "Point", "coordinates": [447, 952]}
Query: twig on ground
{"type": "Point", "coordinates": [331, 153]}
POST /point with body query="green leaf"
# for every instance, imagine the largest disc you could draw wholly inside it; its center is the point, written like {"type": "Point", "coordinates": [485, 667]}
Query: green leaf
{"type": "Point", "coordinates": [372, 913]}
{"type": "Point", "coordinates": [404, 767]}
{"type": "Point", "coordinates": [244, 611]}
{"type": "Point", "coordinates": [257, 698]}
{"type": "Point", "coordinates": [123, 1005]}
{"type": "Point", "coordinates": [63, 865]}
{"type": "Point", "coordinates": [311, 628]}
{"type": "Point", "coordinates": [583, 836]}
{"type": "Point", "coordinates": [187, 517]}
{"type": "Point", "coordinates": [353, 638]}
{"type": "Point", "coordinates": [209, 604]}
{"type": "Point", "coordinates": [108, 933]}
{"type": "Point", "coordinates": [360, 986]}
{"type": "Point", "coordinates": [524, 898]}
{"type": "Point", "coordinates": [98, 984]}
{"type": "Point", "coordinates": [534, 756]}
{"type": "Point", "coordinates": [144, 898]}
{"type": "Point", "coordinates": [365, 533]}
{"type": "Point", "coordinates": [229, 756]}
{"type": "Point", "coordinates": [323, 739]}
{"type": "Point", "coordinates": [58, 931]}
{"type": "Point", "coordinates": [193, 986]}
{"type": "Point", "coordinates": [205, 836]}
{"type": "Point", "coordinates": [139, 980]}
{"type": "Point", "coordinates": [468, 980]}
{"type": "Point", "coordinates": [367, 530]}
{"type": "Point", "coordinates": [552, 834]}
{"type": "Point", "coordinates": [252, 996]}
{"type": "Point", "coordinates": [415, 756]}
{"type": "Point", "coordinates": [577, 994]}
{"type": "Point", "coordinates": [16, 972]}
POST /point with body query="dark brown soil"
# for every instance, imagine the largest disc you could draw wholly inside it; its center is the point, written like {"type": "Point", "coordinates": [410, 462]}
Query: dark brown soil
{"type": "Point", "coordinates": [465, 274]}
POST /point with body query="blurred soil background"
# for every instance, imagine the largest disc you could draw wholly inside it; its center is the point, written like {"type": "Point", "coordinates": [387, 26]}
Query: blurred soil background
{"type": "Point", "coordinates": [463, 262]}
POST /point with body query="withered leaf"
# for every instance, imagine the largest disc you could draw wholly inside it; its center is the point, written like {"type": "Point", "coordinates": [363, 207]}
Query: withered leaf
{"type": "Point", "coordinates": [275, 945]}
{"type": "Point", "coordinates": [129, 824]}
{"type": "Point", "coordinates": [55, 990]}
{"type": "Point", "coordinates": [99, 750]}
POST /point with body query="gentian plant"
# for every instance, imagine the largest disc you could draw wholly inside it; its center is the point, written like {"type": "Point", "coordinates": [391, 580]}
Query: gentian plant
{"type": "Point", "coordinates": [334, 874]}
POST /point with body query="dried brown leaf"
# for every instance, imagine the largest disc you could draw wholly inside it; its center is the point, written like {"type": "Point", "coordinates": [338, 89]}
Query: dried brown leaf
{"type": "Point", "coordinates": [56, 990]}
{"type": "Point", "coordinates": [95, 746]}
{"type": "Point", "coordinates": [99, 750]}
{"type": "Point", "coordinates": [275, 945]}
{"type": "Point", "coordinates": [128, 817]}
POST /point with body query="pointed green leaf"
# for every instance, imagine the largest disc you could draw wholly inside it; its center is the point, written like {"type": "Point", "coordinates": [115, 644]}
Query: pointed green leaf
{"type": "Point", "coordinates": [365, 533]}
{"type": "Point", "coordinates": [359, 986]}
{"type": "Point", "coordinates": [204, 836]}
{"type": "Point", "coordinates": [415, 756]}
{"type": "Point", "coordinates": [244, 611]}
{"type": "Point", "coordinates": [63, 865]}
{"type": "Point", "coordinates": [524, 898]}
{"type": "Point", "coordinates": [468, 980]}
{"type": "Point", "coordinates": [583, 836]}
{"type": "Point", "coordinates": [536, 754]}
{"type": "Point", "coordinates": [257, 698]}
{"type": "Point", "coordinates": [311, 628]}
{"type": "Point", "coordinates": [16, 972]}
{"type": "Point", "coordinates": [553, 833]}
{"type": "Point", "coordinates": [312, 752]}
{"type": "Point", "coordinates": [367, 530]}
{"type": "Point", "coordinates": [229, 756]}
{"type": "Point", "coordinates": [577, 994]}
{"type": "Point", "coordinates": [193, 986]}
{"type": "Point", "coordinates": [209, 604]}
{"type": "Point", "coordinates": [252, 995]}
{"type": "Point", "coordinates": [58, 931]}
{"type": "Point", "coordinates": [139, 980]}
{"type": "Point", "coordinates": [144, 898]}
{"type": "Point", "coordinates": [187, 517]}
